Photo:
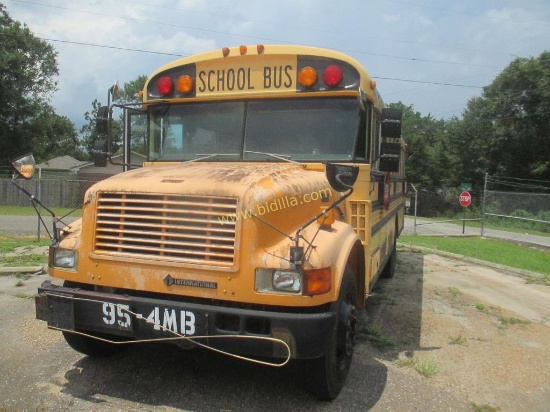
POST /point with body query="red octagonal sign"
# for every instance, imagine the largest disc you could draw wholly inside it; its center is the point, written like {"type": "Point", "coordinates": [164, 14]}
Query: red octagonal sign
{"type": "Point", "coordinates": [465, 199]}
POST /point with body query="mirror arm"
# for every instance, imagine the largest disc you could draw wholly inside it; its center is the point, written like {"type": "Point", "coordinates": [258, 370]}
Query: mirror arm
{"type": "Point", "coordinates": [309, 222]}
{"type": "Point", "coordinates": [35, 201]}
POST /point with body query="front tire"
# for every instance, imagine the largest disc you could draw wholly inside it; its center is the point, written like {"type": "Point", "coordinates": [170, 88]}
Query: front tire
{"type": "Point", "coordinates": [90, 346]}
{"type": "Point", "coordinates": [328, 374]}
{"type": "Point", "coordinates": [85, 344]}
{"type": "Point", "coordinates": [389, 269]}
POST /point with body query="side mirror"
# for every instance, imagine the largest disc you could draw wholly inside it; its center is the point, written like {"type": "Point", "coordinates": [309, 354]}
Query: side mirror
{"type": "Point", "coordinates": [391, 123]}
{"type": "Point", "coordinates": [390, 154]}
{"type": "Point", "coordinates": [99, 153]}
{"type": "Point", "coordinates": [102, 120]}
{"type": "Point", "coordinates": [25, 166]}
{"type": "Point", "coordinates": [341, 177]}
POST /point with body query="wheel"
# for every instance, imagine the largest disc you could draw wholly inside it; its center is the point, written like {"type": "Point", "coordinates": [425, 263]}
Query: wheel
{"type": "Point", "coordinates": [327, 374]}
{"type": "Point", "coordinates": [90, 346]}
{"type": "Point", "coordinates": [389, 269]}
{"type": "Point", "coordinates": [87, 345]}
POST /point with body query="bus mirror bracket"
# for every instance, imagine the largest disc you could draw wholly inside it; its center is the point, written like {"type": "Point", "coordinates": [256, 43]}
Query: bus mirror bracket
{"type": "Point", "coordinates": [341, 178]}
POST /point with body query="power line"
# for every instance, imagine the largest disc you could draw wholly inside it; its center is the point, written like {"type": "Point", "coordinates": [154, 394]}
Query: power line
{"type": "Point", "coordinates": [111, 47]}
{"type": "Point", "coordinates": [414, 59]}
{"type": "Point", "coordinates": [183, 55]}
{"type": "Point", "coordinates": [427, 82]}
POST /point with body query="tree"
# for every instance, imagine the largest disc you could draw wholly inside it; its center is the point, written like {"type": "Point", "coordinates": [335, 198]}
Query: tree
{"type": "Point", "coordinates": [28, 66]}
{"type": "Point", "coordinates": [508, 129]}
{"type": "Point", "coordinates": [54, 135]}
{"type": "Point", "coordinates": [129, 91]}
{"type": "Point", "coordinates": [428, 154]}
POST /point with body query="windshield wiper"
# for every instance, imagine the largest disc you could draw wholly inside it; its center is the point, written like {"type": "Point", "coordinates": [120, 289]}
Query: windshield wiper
{"type": "Point", "coordinates": [204, 156]}
{"type": "Point", "coordinates": [284, 158]}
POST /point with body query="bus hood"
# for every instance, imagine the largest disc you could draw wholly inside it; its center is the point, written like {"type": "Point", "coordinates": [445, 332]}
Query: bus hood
{"type": "Point", "coordinates": [251, 183]}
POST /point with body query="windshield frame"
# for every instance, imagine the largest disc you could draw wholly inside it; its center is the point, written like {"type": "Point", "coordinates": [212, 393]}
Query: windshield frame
{"type": "Point", "coordinates": [318, 110]}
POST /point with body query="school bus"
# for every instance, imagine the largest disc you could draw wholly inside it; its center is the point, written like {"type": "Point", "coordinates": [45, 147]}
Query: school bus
{"type": "Point", "coordinates": [269, 205]}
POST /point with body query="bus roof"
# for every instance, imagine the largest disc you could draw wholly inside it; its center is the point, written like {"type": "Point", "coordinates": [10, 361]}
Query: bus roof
{"type": "Point", "coordinates": [260, 57]}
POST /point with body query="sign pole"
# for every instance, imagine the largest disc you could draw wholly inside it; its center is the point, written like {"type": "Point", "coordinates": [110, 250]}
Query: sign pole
{"type": "Point", "coordinates": [465, 199]}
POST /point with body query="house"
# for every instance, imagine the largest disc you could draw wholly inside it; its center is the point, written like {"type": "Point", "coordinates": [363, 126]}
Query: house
{"type": "Point", "coordinates": [61, 167]}
{"type": "Point", "coordinates": [93, 173]}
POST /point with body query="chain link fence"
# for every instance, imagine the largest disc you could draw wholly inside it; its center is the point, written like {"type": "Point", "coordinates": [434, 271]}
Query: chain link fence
{"type": "Point", "coordinates": [504, 202]}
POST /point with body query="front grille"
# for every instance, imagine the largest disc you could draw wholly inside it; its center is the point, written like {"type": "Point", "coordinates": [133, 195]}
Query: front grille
{"type": "Point", "coordinates": [194, 229]}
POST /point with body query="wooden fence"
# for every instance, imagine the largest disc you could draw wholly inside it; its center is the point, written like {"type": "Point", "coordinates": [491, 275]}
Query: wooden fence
{"type": "Point", "coordinates": [51, 192]}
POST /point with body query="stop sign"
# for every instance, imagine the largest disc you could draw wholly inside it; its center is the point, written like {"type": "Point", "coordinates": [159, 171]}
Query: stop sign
{"type": "Point", "coordinates": [465, 199]}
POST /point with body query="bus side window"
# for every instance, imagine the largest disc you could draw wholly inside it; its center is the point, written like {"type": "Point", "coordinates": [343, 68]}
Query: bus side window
{"type": "Point", "coordinates": [375, 140]}
{"type": "Point", "coordinates": [362, 148]}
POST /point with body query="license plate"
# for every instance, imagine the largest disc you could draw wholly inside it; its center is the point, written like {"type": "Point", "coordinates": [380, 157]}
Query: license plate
{"type": "Point", "coordinates": [117, 316]}
{"type": "Point", "coordinates": [160, 319]}
{"type": "Point", "coordinates": [170, 320]}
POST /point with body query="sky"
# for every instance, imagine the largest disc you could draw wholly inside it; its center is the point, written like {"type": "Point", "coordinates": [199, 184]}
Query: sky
{"type": "Point", "coordinates": [433, 55]}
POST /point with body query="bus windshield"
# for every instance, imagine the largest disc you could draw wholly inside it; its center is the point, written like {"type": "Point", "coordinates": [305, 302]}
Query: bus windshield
{"type": "Point", "coordinates": [302, 129]}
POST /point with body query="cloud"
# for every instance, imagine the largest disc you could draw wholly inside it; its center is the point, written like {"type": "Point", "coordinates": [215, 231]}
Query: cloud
{"type": "Point", "coordinates": [399, 42]}
{"type": "Point", "coordinates": [391, 18]}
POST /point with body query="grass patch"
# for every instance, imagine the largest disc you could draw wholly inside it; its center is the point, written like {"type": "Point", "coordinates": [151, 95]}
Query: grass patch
{"type": "Point", "coordinates": [481, 307]}
{"type": "Point", "coordinates": [376, 337]}
{"type": "Point", "coordinates": [425, 367]}
{"type": "Point", "coordinates": [509, 320]}
{"type": "Point", "coordinates": [455, 292]}
{"type": "Point", "coordinates": [24, 260]}
{"type": "Point", "coordinates": [544, 280]}
{"type": "Point", "coordinates": [387, 298]}
{"type": "Point", "coordinates": [29, 211]}
{"type": "Point", "coordinates": [458, 340]}
{"type": "Point", "coordinates": [10, 243]}
{"type": "Point", "coordinates": [491, 250]}
{"type": "Point", "coordinates": [24, 296]}
{"type": "Point", "coordinates": [484, 408]}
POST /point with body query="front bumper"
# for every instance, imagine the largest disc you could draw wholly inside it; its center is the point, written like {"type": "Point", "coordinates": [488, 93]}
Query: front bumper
{"type": "Point", "coordinates": [133, 318]}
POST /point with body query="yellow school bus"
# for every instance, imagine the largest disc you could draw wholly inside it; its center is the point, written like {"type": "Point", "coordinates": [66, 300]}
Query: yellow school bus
{"type": "Point", "coordinates": [269, 205]}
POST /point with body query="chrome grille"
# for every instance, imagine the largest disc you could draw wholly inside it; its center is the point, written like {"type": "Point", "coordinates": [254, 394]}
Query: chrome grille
{"type": "Point", "coordinates": [193, 229]}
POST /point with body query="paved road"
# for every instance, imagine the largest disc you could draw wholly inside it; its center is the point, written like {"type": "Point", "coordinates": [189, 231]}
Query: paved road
{"type": "Point", "coordinates": [425, 227]}
{"type": "Point", "coordinates": [28, 225]}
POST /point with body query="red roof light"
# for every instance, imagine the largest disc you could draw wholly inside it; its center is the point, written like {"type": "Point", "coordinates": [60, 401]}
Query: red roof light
{"type": "Point", "coordinates": [332, 76]}
{"type": "Point", "coordinates": [165, 85]}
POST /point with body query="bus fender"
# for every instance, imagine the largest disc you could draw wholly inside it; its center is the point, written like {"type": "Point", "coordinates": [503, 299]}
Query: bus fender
{"type": "Point", "coordinates": [341, 246]}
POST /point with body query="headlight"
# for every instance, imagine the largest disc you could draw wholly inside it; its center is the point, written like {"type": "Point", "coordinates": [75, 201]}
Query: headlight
{"type": "Point", "coordinates": [287, 281]}
{"type": "Point", "coordinates": [65, 258]}
{"type": "Point", "coordinates": [277, 281]}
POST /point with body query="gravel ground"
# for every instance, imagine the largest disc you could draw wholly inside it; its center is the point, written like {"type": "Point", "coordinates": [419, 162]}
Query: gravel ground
{"type": "Point", "coordinates": [444, 334]}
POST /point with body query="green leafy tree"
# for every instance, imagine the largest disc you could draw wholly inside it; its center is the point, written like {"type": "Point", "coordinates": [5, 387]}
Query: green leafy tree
{"type": "Point", "coordinates": [53, 135]}
{"type": "Point", "coordinates": [28, 66]}
{"type": "Point", "coordinates": [507, 130]}
{"type": "Point", "coordinates": [428, 155]}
